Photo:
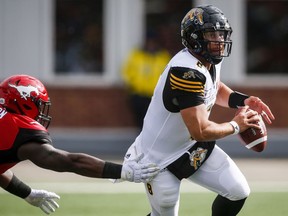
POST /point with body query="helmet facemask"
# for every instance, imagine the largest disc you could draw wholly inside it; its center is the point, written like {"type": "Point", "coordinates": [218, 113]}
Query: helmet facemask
{"type": "Point", "coordinates": [214, 50]}
{"type": "Point", "coordinates": [43, 117]}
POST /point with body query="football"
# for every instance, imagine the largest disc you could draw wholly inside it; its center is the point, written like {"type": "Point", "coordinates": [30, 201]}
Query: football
{"type": "Point", "coordinates": [255, 139]}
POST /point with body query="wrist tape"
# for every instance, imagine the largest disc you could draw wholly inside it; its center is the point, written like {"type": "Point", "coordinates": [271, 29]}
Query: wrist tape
{"type": "Point", "coordinates": [236, 99]}
{"type": "Point", "coordinates": [112, 170]}
{"type": "Point", "coordinates": [235, 126]}
{"type": "Point", "coordinates": [18, 188]}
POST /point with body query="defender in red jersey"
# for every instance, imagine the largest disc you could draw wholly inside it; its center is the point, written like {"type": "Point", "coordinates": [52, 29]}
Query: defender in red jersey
{"type": "Point", "coordinates": [24, 119]}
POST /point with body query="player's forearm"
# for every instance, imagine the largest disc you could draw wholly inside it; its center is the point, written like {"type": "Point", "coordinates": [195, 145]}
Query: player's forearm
{"type": "Point", "coordinates": [212, 131]}
{"type": "Point", "coordinates": [93, 167]}
{"type": "Point", "coordinates": [201, 128]}
{"type": "Point", "coordinates": [5, 178]}
{"type": "Point", "coordinates": [85, 165]}
{"type": "Point", "coordinates": [223, 95]}
{"type": "Point", "coordinates": [15, 186]}
{"type": "Point", "coordinates": [88, 166]}
{"type": "Point", "coordinates": [47, 157]}
{"type": "Point", "coordinates": [79, 163]}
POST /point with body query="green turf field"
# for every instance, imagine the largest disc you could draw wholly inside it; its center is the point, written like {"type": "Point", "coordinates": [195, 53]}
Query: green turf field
{"type": "Point", "coordinates": [198, 204]}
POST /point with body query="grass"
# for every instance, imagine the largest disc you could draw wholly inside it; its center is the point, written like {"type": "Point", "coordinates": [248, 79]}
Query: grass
{"type": "Point", "coordinates": [198, 204]}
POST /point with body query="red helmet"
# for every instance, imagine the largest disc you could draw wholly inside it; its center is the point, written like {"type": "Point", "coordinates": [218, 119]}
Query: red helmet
{"type": "Point", "coordinates": [26, 95]}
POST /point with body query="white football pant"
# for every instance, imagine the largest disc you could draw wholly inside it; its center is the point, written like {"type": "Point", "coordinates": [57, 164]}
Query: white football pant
{"type": "Point", "coordinates": [218, 174]}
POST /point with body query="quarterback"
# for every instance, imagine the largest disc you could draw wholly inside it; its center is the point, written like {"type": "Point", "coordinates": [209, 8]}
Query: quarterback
{"type": "Point", "coordinates": [24, 119]}
{"type": "Point", "coordinates": [177, 133]}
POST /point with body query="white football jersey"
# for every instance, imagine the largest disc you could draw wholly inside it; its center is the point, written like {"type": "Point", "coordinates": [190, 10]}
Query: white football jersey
{"type": "Point", "coordinates": [165, 137]}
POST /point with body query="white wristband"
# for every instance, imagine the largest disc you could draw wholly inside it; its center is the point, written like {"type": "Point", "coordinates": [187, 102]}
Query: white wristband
{"type": "Point", "coordinates": [235, 126]}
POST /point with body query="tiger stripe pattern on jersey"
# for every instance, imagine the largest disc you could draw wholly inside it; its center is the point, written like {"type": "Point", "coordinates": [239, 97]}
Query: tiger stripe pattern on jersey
{"type": "Point", "coordinates": [186, 85]}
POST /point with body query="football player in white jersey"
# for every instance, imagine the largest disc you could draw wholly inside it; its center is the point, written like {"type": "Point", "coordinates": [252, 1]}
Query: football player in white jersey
{"type": "Point", "coordinates": [177, 133]}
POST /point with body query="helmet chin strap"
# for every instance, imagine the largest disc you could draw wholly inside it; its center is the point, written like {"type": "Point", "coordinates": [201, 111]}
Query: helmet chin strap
{"type": "Point", "coordinates": [211, 59]}
{"type": "Point", "coordinates": [208, 57]}
{"type": "Point", "coordinates": [203, 54]}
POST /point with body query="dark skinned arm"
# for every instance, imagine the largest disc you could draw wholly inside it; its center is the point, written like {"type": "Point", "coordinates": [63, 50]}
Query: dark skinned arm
{"type": "Point", "coordinates": [5, 178]}
{"type": "Point", "coordinates": [48, 157]}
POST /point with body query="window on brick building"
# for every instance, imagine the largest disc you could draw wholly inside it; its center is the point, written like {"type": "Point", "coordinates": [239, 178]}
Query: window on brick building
{"type": "Point", "coordinates": [267, 34]}
{"type": "Point", "coordinates": [165, 16]}
{"type": "Point", "coordinates": [78, 37]}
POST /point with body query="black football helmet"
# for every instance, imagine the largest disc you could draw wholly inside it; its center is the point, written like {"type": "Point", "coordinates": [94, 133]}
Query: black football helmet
{"type": "Point", "coordinates": [201, 20]}
{"type": "Point", "coordinates": [26, 95]}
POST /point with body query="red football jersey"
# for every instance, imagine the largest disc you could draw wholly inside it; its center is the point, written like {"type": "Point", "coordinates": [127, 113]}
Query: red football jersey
{"type": "Point", "coordinates": [16, 130]}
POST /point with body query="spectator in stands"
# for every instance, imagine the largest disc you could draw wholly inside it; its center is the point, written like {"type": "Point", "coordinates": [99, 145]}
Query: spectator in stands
{"type": "Point", "coordinates": [140, 73]}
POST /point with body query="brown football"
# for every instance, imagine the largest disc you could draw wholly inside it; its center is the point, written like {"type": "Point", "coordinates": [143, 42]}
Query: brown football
{"type": "Point", "coordinates": [255, 139]}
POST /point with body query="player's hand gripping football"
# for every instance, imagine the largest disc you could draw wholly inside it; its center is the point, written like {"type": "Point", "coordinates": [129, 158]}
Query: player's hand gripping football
{"type": "Point", "coordinates": [44, 200]}
{"type": "Point", "coordinates": [246, 118]}
{"type": "Point", "coordinates": [259, 106]}
{"type": "Point", "coordinates": [134, 171]}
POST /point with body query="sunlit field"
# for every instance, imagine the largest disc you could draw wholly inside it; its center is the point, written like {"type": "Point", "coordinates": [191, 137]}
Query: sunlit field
{"type": "Point", "coordinates": [81, 196]}
{"type": "Point", "coordinates": [198, 204]}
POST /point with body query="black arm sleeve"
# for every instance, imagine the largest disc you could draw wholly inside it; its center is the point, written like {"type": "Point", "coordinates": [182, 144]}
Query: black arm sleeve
{"type": "Point", "coordinates": [184, 88]}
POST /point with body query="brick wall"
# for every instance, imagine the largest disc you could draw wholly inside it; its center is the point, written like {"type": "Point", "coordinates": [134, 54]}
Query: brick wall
{"type": "Point", "coordinates": [108, 107]}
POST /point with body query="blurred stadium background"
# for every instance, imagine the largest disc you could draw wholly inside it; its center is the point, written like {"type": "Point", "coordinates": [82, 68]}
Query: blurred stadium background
{"type": "Point", "coordinates": [90, 110]}
{"type": "Point", "coordinates": [41, 38]}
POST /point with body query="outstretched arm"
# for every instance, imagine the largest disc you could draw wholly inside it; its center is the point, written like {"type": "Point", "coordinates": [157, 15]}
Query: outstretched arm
{"type": "Point", "coordinates": [48, 157]}
{"type": "Point", "coordinates": [39, 198]}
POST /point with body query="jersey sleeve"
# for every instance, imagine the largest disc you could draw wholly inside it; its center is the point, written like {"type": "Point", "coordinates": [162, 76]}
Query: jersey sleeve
{"type": "Point", "coordinates": [24, 136]}
{"type": "Point", "coordinates": [18, 130]}
{"type": "Point", "coordinates": [30, 135]}
{"type": "Point", "coordinates": [184, 88]}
